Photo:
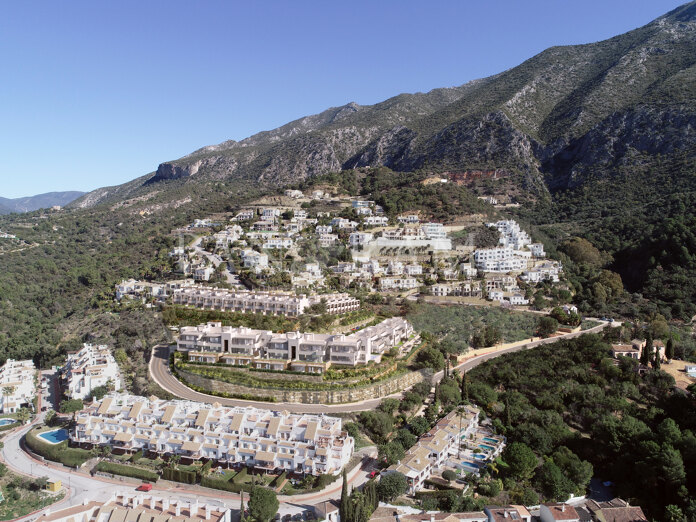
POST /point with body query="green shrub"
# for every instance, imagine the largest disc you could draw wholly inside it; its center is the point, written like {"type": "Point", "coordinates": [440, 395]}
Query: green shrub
{"type": "Point", "coordinates": [224, 484]}
{"type": "Point", "coordinates": [127, 471]}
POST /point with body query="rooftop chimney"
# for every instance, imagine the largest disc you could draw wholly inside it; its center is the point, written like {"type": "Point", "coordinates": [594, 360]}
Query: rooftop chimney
{"type": "Point", "coordinates": [563, 508]}
{"type": "Point", "coordinates": [193, 509]}
{"type": "Point", "coordinates": [152, 502]}
{"type": "Point", "coordinates": [207, 511]}
{"type": "Point", "coordinates": [506, 514]}
{"type": "Point", "coordinates": [177, 509]}
{"type": "Point", "coordinates": [165, 504]}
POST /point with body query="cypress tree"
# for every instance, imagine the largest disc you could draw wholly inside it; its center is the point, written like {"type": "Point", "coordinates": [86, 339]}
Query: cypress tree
{"type": "Point", "coordinates": [646, 355]}
{"type": "Point", "coordinates": [656, 360]}
{"type": "Point", "coordinates": [344, 510]}
{"type": "Point", "coordinates": [241, 507]}
{"type": "Point", "coordinates": [669, 349]}
{"type": "Point", "coordinates": [465, 388]}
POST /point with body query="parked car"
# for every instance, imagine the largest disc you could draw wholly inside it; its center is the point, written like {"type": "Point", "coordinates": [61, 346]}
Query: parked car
{"type": "Point", "coordinates": [373, 474]}
{"type": "Point", "coordinates": [145, 486]}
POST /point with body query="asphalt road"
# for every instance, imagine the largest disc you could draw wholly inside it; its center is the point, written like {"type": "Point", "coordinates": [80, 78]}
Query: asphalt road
{"type": "Point", "coordinates": [159, 370]}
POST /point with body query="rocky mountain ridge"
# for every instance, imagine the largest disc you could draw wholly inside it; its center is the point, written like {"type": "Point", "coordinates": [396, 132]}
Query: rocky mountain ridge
{"type": "Point", "coordinates": [547, 120]}
{"type": "Point", "coordinates": [29, 203]}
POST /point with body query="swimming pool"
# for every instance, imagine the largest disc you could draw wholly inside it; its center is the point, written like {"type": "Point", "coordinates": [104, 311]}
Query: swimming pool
{"type": "Point", "coordinates": [470, 467]}
{"type": "Point", "coordinates": [55, 436]}
{"type": "Point", "coordinates": [486, 447]}
{"type": "Point", "coordinates": [492, 441]}
{"type": "Point", "coordinates": [478, 456]}
{"type": "Point", "coordinates": [5, 422]}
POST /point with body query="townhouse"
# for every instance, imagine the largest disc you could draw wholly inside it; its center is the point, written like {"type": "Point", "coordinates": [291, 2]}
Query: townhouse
{"type": "Point", "coordinates": [398, 283]}
{"type": "Point", "coordinates": [511, 235]}
{"type": "Point", "coordinates": [212, 343]}
{"type": "Point", "coordinates": [549, 270]}
{"type": "Point", "coordinates": [432, 236]}
{"type": "Point", "coordinates": [499, 259]}
{"type": "Point", "coordinates": [377, 221]}
{"type": "Point", "coordinates": [17, 385]}
{"type": "Point", "coordinates": [88, 368]}
{"type": "Point", "coordinates": [262, 439]}
{"type": "Point", "coordinates": [267, 303]}
{"type": "Point", "coordinates": [326, 240]}
{"type": "Point", "coordinates": [434, 448]}
{"type": "Point", "coordinates": [120, 507]}
{"type": "Point", "coordinates": [255, 260]}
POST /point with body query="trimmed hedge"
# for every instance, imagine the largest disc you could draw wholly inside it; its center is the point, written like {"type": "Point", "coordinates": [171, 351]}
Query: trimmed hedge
{"type": "Point", "coordinates": [127, 471]}
{"type": "Point", "coordinates": [10, 426]}
{"type": "Point", "coordinates": [279, 479]}
{"type": "Point", "coordinates": [179, 475]}
{"type": "Point", "coordinates": [225, 485]}
{"type": "Point", "coordinates": [56, 452]}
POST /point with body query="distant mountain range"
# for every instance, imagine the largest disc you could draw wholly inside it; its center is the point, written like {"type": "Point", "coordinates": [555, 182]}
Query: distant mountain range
{"type": "Point", "coordinates": [29, 203]}
{"type": "Point", "coordinates": [567, 115]}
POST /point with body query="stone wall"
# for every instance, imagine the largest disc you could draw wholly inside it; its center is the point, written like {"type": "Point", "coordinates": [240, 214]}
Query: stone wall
{"type": "Point", "coordinates": [371, 391]}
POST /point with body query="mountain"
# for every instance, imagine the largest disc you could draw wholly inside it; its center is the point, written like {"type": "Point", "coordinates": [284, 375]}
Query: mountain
{"type": "Point", "coordinates": [551, 120]}
{"type": "Point", "coordinates": [29, 203]}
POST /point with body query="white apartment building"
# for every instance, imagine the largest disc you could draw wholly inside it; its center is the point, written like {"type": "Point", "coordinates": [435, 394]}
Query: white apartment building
{"type": "Point", "coordinates": [414, 237]}
{"type": "Point", "coordinates": [267, 303]}
{"type": "Point", "coordinates": [499, 259]}
{"type": "Point", "coordinates": [398, 283]}
{"type": "Point", "coordinates": [90, 367]}
{"type": "Point", "coordinates": [323, 229]}
{"type": "Point", "coordinates": [413, 270]}
{"type": "Point", "coordinates": [203, 273]}
{"type": "Point", "coordinates": [362, 203]}
{"type": "Point", "coordinates": [296, 194]}
{"type": "Point", "coordinates": [326, 240]}
{"type": "Point", "coordinates": [133, 288]}
{"type": "Point", "coordinates": [434, 230]}
{"type": "Point", "coordinates": [363, 211]}
{"type": "Point", "coordinates": [434, 448]}
{"type": "Point", "coordinates": [140, 507]}
{"type": "Point", "coordinates": [213, 342]}
{"type": "Point", "coordinates": [511, 235]}
{"type": "Point", "coordinates": [408, 218]}
{"type": "Point", "coordinates": [549, 270]}
{"type": "Point", "coordinates": [263, 439]}
{"type": "Point", "coordinates": [245, 215]}
{"type": "Point", "coordinates": [377, 221]}
{"type": "Point", "coordinates": [277, 243]}
{"type": "Point", "coordinates": [17, 385]}
{"type": "Point", "coordinates": [344, 224]}
{"type": "Point", "coordinates": [537, 249]}
{"type": "Point", "coordinates": [395, 267]}
{"type": "Point", "coordinates": [253, 259]}
{"type": "Point", "coordinates": [360, 238]}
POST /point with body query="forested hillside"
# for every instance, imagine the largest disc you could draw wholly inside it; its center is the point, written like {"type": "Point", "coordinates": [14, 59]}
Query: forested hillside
{"type": "Point", "coordinates": [569, 402]}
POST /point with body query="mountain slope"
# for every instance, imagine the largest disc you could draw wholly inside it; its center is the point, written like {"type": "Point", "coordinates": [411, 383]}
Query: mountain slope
{"type": "Point", "coordinates": [29, 203]}
{"type": "Point", "coordinates": [549, 118]}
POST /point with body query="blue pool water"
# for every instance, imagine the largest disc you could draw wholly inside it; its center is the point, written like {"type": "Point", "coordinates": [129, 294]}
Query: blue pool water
{"type": "Point", "coordinates": [478, 456]}
{"type": "Point", "coordinates": [492, 441]}
{"type": "Point", "coordinates": [55, 436]}
{"type": "Point", "coordinates": [470, 467]}
{"type": "Point", "coordinates": [486, 447]}
{"type": "Point", "coordinates": [5, 422]}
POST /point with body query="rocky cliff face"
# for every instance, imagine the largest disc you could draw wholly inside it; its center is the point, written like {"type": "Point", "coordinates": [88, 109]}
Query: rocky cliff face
{"type": "Point", "coordinates": [601, 104]}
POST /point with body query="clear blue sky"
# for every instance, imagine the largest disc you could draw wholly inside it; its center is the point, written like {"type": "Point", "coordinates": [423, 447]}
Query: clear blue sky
{"type": "Point", "coordinates": [97, 93]}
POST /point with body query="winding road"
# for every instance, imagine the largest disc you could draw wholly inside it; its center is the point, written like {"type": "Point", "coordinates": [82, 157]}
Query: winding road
{"type": "Point", "coordinates": [159, 370]}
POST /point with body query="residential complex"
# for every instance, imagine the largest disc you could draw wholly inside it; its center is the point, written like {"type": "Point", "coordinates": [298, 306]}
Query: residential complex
{"type": "Point", "coordinates": [17, 385]}
{"type": "Point", "coordinates": [141, 508]}
{"type": "Point", "coordinates": [263, 439]}
{"type": "Point", "coordinates": [435, 448]}
{"type": "Point", "coordinates": [90, 367]}
{"type": "Point", "coordinates": [267, 303]}
{"type": "Point", "coordinates": [308, 352]}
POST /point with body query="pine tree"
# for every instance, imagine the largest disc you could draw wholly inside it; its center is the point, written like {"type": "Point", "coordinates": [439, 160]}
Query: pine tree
{"type": "Point", "coordinates": [669, 349]}
{"type": "Point", "coordinates": [344, 511]}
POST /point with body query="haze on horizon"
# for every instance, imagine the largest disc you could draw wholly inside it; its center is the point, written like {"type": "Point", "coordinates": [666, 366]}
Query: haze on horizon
{"type": "Point", "coordinates": [98, 94]}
